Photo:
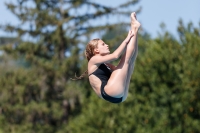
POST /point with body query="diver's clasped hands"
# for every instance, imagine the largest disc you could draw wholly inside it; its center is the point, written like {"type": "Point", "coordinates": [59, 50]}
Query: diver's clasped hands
{"type": "Point", "coordinates": [129, 36]}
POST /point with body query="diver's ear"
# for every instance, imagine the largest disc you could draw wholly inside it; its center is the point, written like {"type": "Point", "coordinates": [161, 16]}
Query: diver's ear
{"type": "Point", "coordinates": [96, 51]}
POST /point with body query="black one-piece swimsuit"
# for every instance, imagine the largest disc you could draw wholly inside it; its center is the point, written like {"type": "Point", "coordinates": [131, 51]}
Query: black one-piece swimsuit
{"type": "Point", "coordinates": [103, 73]}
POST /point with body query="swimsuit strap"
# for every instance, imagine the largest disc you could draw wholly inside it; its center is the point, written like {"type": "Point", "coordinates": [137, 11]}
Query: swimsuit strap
{"type": "Point", "coordinates": [98, 68]}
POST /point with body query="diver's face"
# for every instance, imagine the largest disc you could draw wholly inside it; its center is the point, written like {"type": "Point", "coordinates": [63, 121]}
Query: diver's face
{"type": "Point", "coordinates": [102, 48]}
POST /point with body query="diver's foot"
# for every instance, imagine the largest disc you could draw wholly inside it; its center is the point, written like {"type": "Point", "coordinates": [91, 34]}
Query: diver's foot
{"type": "Point", "coordinates": [135, 25]}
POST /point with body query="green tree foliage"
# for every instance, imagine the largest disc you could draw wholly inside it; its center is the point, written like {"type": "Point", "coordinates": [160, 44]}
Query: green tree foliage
{"type": "Point", "coordinates": [39, 97]}
{"type": "Point", "coordinates": [164, 90]}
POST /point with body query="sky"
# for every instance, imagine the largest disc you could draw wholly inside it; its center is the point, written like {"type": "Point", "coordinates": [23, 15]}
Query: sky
{"type": "Point", "coordinates": [154, 12]}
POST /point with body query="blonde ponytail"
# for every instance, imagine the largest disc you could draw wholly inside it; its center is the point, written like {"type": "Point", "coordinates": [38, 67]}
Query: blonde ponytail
{"type": "Point", "coordinates": [80, 77]}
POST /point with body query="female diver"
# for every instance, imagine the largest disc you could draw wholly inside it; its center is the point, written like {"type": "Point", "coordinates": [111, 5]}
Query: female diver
{"type": "Point", "coordinates": [108, 81]}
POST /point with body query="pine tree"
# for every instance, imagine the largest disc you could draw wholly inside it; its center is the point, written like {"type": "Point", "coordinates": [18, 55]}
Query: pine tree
{"type": "Point", "coordinates": [41, 97]}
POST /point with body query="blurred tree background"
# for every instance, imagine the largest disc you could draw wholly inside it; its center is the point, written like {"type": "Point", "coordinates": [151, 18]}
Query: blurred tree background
{"type": "Point", "coordinates": [37, 95]}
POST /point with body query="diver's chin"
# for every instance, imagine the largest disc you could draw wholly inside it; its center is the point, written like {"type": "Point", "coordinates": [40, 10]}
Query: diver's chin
{"type": "Point", "coordinates": [108, 53]}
